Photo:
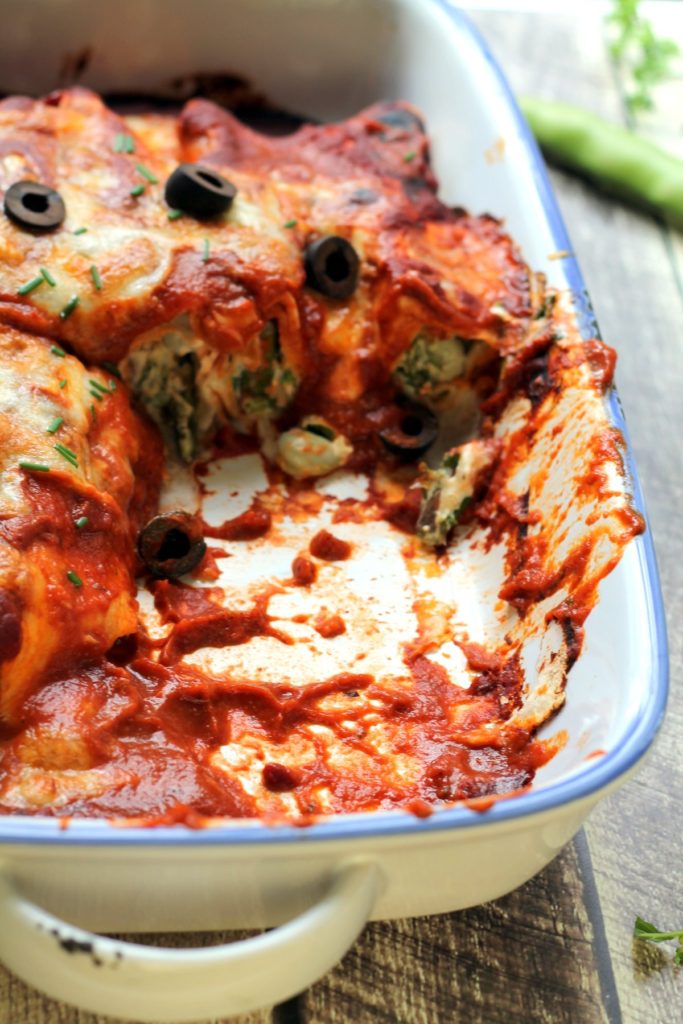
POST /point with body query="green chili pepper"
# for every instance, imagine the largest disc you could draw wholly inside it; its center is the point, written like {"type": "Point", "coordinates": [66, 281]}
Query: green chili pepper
{"type": "Point", "coordinates": [618, 160]}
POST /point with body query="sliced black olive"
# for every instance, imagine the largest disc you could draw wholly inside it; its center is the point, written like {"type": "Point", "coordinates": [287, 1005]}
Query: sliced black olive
{"type": "Point", "coordinates": [321, 430]}
{"type": "Point", "coordinates": [123, 649]}
{"type": "Point", "coordinates": [171, 545]}
{"type": "Point", "coordinates": [363, 197]}
{"type": "Point", "coordinates": [401, 118]}
{"type": "Point", "coordinates": [414, 432]}
{"type": "Point", "coordinates": [198, 190]}
{"type": "Point", "coordinates": [332, 266]}
{"type": "Point", "coordinates": [32, 205]}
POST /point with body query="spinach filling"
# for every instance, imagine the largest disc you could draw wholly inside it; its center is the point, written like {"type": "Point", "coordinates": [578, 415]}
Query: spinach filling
{"type": "Point", "coordinates": [163, 378]}
{"type": "Point", "coordinates": [265, 390]}
{"type": "Point", "coordinates": [431, 363]}
{"type": "Point", "coordinates": [449, 489]}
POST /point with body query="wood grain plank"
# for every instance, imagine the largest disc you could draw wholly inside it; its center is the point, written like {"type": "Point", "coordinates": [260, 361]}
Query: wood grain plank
{"type": "Point", "coordinates": [634, 837]}
{"type": "Point", "coordinates": [525, 959]}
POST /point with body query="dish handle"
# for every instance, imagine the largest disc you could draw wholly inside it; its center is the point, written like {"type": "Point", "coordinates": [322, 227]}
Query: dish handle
{"type": "Point", "coordinates": [145, 983]}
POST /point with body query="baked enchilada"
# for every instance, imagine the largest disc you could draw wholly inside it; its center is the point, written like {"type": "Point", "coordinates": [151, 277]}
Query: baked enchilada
{"type": "Point", "coordinates": [183, 301]}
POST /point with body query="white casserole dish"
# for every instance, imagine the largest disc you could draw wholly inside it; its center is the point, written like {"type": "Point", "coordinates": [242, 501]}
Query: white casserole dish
{"type": "Point", "coordinates": [324, 59]}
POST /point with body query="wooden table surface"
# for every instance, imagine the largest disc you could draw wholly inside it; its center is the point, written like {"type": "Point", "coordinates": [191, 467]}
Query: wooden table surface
{"type": "Point", "coordinates": [558, 950]}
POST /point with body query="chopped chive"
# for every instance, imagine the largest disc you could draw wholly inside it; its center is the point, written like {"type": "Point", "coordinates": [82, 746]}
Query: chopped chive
{"type": "Point", "coordinates": [64, 450]}
{"type": "Point", "coordinates": [62, 384]}
{"type": "Point", "coordinates": [112, 386]}
{"type": "Point", "coordinates": [146, 173]}
{"type": "Point", "coordinates": [80, 523]}
{"type": "Point", "coordinates": [97, 396]}
{"type": "Point", "coordinates": [124, 143]}
{"type": "Point", "coordinates": [98, 387]}
{"type": "Point", "coordinates": [137, 191]}
{"type": "Point", "coordinates": [113, 368]}
{"type": "Point", "coordinates": [35, 282]}
{"type": "Point", "coordinates": [290, 223]}
{"type": "Point", "coordinates": [74, 578]}
{"type": "Point", "coordinates": [55, 425]}
{"type": "Point", "coordinates": [174, 214]}
{"type": "Point", "coordinates": [57, 351]}
{"type": "Point", "coordinates": [207, 246]}
{"type": "Point", "coordinates": [410, 156]}
{"type": "Point", "coordinates": [96, 279]}
{"type": "Point", "coordinates": [35, 467]}
{"type": "Point", "coordinates": [93, 410]}
{"type": "Point", "coordinates": [70, 307]}
{"type": "Point", "coordinates": [67, 454]}
{"type": "Point", "coordinates": [47, 276]}
{"type": "Point", "coordinates": [80, 231]}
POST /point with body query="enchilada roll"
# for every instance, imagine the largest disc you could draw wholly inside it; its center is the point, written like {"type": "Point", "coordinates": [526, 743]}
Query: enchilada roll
{"type": "Point", "coordinates": [205, 308]}
{"type": "Point", "coordinates": [332, 274]}
{"type": "Point", "coordinates": [435, 286]}
{"type": "Point", "coordinates": [230, 272]}
{"type": "Point", "coordinates": [79, 472]}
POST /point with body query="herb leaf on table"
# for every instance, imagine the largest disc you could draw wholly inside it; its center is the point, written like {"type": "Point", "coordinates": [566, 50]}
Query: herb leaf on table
{"type": "Point", "coordinates": [639, 52]}
{"type": "Point", "coordinates": [650, 933]}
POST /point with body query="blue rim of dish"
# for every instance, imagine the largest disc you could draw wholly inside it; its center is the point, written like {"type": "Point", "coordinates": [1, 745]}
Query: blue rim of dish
{"type": "Point", "coordinates": [602, 773]}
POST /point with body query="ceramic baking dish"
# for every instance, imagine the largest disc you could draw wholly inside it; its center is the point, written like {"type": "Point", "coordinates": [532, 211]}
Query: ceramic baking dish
{"type": "Point", "coordinates": [324, 59]}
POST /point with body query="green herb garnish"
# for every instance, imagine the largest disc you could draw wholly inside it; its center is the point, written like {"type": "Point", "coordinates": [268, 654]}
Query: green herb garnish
{"type": "Point", "coordinates": [70, 307]}
{"type": "Point", "coordinates": [47, 276]}
{"type": "Point", "coordinates": [650, 933]}
{"type": "Point", "coordinates": [55, 425]}
{"type": "Point", "coordinates": [96, 279]}
{"type": "Point", "coordinates": [62, 384]}
{"type": "Point", "coordinates": [137, 191]}
{"type": "Point", "coordinates": [207, 246]}
{"type": "Point", "coordinates": [174, 214]}
{"type": "Point", "coordinates": [74, 578]}
{"type": "Point", "coordinates": [67, 454]}
{"type": "Point", "coordinates": [450, 461]}
{"type": "Point", "coordinates": [99, 387]}
{"type": "Point", "coordinates": [290, 223]}
{"type": "Point", "coordinates": [146, 173]}
{"type": "Point", "coordinates": [31, 285]}
{"type": "Point", "coordinates": [57, 351]}
{"type": "Point", "coordinates": [124, 143]}
{"type": "Point", "coordinates": [113, 368]}
{"type": "Point", "coordinates": [410, 156]}
{"type": "Point", "coordinates": [637, 51]}
{"type": "Point", "coordinates": [34, 467]}
{"type": "Point", "coordinates": [80, 231]}
{"type": "Point", "coordinates": [80, 523]}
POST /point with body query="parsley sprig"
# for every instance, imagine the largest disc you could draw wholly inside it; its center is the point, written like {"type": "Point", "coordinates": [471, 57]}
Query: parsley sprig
{"type": "Point", "coordinates": [643, 56]}
{"type": "Point", "coordinates": [650, 933]}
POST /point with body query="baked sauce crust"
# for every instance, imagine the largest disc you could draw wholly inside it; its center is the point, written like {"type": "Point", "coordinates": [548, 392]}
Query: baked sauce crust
{"type": "Point", "coordinates": [102, 718]}
{"type": "Point", "coordinates": [423, 264]}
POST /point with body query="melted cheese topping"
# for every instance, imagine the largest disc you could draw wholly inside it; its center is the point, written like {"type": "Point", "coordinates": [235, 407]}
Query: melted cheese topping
{"type": "Point", "coordinates": [68, 445]}
{"type": "Point", "coordinates": [320, 659]}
